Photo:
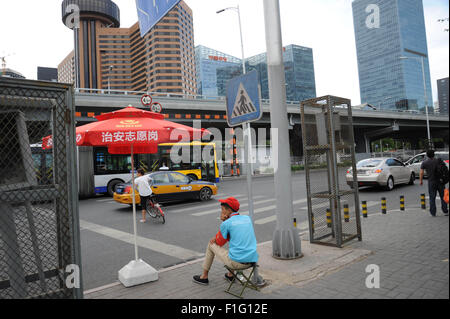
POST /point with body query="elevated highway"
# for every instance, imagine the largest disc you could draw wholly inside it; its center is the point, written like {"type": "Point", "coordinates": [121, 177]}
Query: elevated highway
{"type": "Point", "coordinates": [370, 125]}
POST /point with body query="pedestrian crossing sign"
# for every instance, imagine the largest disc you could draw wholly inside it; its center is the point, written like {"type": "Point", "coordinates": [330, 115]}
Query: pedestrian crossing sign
{"type": "Point", "coordinates": [243, 99]}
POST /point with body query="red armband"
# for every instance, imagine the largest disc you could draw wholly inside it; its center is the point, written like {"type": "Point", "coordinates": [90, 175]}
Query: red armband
{"type": "Point", "coordinates": [220, 241]}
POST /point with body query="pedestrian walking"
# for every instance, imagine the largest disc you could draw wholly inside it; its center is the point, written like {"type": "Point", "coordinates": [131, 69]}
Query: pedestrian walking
{"type": "Point", "coordinates": [436, 184]}
{"type": "Point", "coordinates": [236, 229]}
{"type": "Point", "coordinates": [143, 184]}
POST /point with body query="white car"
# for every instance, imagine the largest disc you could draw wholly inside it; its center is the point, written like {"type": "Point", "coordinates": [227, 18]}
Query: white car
{"type": "Point", "coordinates": [416, 162]}
{"type": "Point", "coordinates": [385, 172]}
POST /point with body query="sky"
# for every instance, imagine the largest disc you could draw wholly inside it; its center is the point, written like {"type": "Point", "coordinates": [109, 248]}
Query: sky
{"type": "Point", "coordinates": [33, 32]}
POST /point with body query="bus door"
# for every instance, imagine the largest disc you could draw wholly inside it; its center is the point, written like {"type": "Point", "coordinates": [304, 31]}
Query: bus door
{"type": "Point", "coordinates": [209, 165]}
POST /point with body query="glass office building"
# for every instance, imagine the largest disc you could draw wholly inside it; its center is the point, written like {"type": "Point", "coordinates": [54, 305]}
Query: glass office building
{"type": "Point", "coordinates": [385, 31]}
{"type": "Point", "coordinates": [213, 72]}
{"type": "Point", "coordinates": [299, 73]}
{"type": "Point", "coordinates": [214, 69]}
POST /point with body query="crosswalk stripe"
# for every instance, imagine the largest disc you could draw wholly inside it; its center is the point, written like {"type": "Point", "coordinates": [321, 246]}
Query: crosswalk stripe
{"type": "Point", "coordinates": [197, 207]}
{"type": "Point", "coordinates": [104, 200]}
{"type": "Point", "coordinates": [154, 245]}
{"type": "Point", "coordinates": [271, 207]}
{"type": "Point", "coordinates": [245, 205]}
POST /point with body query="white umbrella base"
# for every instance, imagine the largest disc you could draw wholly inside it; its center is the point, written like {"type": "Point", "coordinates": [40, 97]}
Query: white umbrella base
{"type": "Point", "coordinates": [137, 273]}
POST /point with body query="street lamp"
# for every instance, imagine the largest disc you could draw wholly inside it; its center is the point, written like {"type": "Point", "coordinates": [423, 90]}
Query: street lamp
{"type": "Point", "coordinates": [240, 30]}
{"type": "Point", "coordinates": [257, 279]}
{"type": "Point", "coordinates": [425, 94]}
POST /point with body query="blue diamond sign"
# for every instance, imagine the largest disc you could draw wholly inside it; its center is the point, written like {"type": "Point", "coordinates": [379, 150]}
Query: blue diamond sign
{"type": "Point", "coordinates": [150, 12]}
{"type": "Point", "coordinates": [244, 99]}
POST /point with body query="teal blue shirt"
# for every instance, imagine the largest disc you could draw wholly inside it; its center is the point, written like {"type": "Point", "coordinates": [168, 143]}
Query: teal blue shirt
{"type": "Point", "coordinates": [239, 229]}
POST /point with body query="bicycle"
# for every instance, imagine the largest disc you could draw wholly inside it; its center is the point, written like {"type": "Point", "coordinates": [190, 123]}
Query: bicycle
{"type": "Point", "coordinates": [154, 210]}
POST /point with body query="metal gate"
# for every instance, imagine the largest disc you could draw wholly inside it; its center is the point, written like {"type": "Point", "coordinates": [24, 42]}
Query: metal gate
{"type": "Point", "coordinates": [39, 225]}
{"type": "Point", "coordinates": [329, 150]}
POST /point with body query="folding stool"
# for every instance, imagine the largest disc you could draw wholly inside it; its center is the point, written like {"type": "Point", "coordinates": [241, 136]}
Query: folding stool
{"type": "Point", "coordinates": [245, 281]}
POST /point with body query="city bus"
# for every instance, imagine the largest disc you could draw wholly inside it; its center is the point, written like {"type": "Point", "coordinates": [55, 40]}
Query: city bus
{"type": "Point", "coordinates": [110, 170]}
{"type": "Point", "coordinates": [99, 172]}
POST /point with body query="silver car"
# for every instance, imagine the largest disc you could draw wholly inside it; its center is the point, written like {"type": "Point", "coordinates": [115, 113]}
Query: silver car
{"type": "Point", "coordinates": [416, 162]}
{"type": "Point", "coordinates": [385, 172]}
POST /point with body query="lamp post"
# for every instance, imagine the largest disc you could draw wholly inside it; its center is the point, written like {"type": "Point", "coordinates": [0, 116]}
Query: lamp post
{"type": "Point", "coordinates": [240, 31]}
{"type": "Point", "coordinates": [258, 280]}
{"type": "Point", "coordinates": [430, 143]}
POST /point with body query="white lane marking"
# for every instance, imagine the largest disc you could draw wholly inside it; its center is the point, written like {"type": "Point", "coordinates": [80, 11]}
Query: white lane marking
{"type": "Point", "coordinates": [109, 200]}
{"type": "Point", "coordinates": [200, 207]}
{"type": "Point", "coordinates": [213, 211]}
{"type": "Point", "coordinates": [271, 207]}
{"type": "Point", "coordinates": [216, 204]}
{"type": "Point", "coordinates": [154, 245]}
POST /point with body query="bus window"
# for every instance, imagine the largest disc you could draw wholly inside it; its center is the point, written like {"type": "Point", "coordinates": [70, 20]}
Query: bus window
{"type": "Point", "coordinates": [105, 163]}
{"type": "Point", "coordinates": [146, 162]}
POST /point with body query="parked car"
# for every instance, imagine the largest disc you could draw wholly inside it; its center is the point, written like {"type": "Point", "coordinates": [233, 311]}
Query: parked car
{"type": "Point", "coordinates": [416, 161]}
{"type": "Point", "coordinates": [169, 187]}
{"type": "Point", "coordinates": [385, 172]}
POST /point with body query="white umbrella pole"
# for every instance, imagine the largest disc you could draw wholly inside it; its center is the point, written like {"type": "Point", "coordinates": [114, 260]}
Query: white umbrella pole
{"type": "Point", "coordinates": [134, 206]}
{"type": "Point", "coordinates": [137, 272]}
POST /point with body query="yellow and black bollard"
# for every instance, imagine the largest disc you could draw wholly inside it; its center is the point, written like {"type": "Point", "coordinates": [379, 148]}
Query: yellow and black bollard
{"type": "Point", "coordinates": [295, 222]}
{"type": "Point", "coordinates": [384, 206]}
{"type": "Point", "coordinates": [346, 213]}
{"type": "Point", "coordinates": [364, 209]}
{"type": "Point", "coordinates": [329, 219]}
{"type": "Point", "coordinates": [402, 203]}
{"type": "Point", "coordinates": [423, 201]}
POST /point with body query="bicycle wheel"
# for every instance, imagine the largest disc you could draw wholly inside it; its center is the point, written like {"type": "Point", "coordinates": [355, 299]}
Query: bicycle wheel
{"type": "Point", "coordinates": [152, 211]}
{"type": "Point", "coordinates": [161, 214]}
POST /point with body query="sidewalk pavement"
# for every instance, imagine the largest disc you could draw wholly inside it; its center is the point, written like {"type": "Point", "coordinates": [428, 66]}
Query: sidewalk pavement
{"type": "Point", "coordinates": [411, 249]}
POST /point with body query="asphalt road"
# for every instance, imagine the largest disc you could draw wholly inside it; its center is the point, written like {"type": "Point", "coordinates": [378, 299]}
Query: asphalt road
{"type": "Point", "coordinates": [107, 227]}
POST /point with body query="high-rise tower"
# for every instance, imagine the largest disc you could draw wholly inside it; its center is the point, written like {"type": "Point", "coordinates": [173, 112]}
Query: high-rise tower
{"type": "Point", "coordinates": [387, 32]}
{"type": "Point", "coordinates": [113, 58]}
{"type": "Point", "coordinates": [86, 17]}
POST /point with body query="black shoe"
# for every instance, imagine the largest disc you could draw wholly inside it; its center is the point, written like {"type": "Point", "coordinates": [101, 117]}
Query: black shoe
{"type": "Point", "coordinates": [200, 281]}
{"type": "Point", "coordinates": [230, 279]}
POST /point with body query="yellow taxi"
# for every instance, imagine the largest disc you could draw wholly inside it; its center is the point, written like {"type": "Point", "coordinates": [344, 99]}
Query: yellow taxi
{"type": "Point", "coordinates": [168, 187]}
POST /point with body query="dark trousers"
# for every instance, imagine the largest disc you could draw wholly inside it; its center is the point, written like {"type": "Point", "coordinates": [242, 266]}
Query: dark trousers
{"type": "Point", "coordinates": [433, 189]}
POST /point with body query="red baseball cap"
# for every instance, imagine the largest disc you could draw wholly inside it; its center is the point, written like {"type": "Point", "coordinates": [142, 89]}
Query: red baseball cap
{"type": "Point", "coordinates": [232, 202]}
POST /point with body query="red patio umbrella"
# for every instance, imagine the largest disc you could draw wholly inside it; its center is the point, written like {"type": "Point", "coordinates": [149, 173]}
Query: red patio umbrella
{"type": "Point", "coordinates": [131, 131]}
{"type": "Point", "coordinates": [121, 130]}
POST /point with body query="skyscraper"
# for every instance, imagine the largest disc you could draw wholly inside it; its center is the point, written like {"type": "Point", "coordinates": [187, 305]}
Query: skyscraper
{"type": "Point", "coordinates": [385, 31]}
{"type": "Point", "coordinates": [120, 59]}
{"type": "Point", "coordinates": [299, 72]}
{"type": "Point", "coordinates": [213, 70]}
{"type": "Point", "coordinates": [443, 95]}
{"type": "Point", "coordinates": [47, 74]}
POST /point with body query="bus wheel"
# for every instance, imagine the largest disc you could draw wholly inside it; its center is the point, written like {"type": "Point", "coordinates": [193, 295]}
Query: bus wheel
{"type": "Point", "coordinates": [112, 187]}
{"type": "Point", "coordinates": [205, 194]}
{"type": "Point", "coordinates": [193, 176]}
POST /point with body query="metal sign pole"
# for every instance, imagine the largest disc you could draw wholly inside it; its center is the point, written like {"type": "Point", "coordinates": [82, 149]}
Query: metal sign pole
{"type": "Point", "coordinates": [286, 240]}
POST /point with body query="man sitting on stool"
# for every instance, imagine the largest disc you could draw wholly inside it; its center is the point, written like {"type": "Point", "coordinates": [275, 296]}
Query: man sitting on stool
{"type": "Point", "coordinates": [236, 229]}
